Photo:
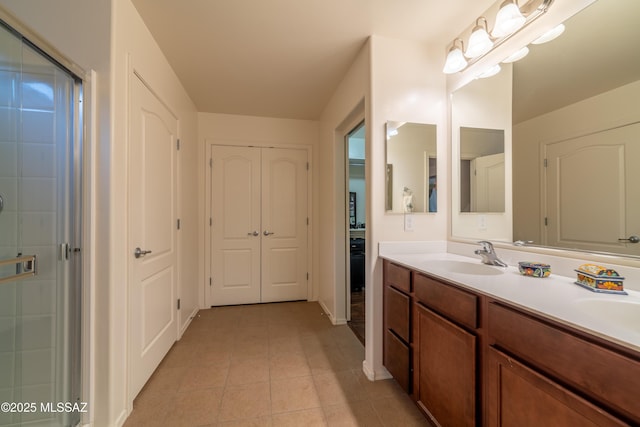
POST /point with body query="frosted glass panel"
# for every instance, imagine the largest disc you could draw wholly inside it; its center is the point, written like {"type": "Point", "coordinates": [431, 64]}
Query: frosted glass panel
{"type": "Point", "coordinates": [39, 339]}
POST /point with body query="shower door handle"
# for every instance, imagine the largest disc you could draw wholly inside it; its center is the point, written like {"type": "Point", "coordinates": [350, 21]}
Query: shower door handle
{"type": "Point", "coordinates": [140, 253]}
{"type": "Point", "coordinates": [26, 266]}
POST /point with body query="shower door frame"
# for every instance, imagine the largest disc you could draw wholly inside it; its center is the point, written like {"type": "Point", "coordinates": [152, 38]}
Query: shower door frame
{"type": "Point", "coordinates": [81, 210]}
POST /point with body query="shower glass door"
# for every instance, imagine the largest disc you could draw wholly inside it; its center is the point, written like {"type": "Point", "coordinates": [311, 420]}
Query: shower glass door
{"type": "Point", "coordinates": [39, 281]}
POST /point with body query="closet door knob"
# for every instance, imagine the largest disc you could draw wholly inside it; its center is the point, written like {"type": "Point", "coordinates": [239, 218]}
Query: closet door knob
{"type": "Point", "coordinates": [268, 233]}
{"type": "Point", "coordinates": [253, 233]}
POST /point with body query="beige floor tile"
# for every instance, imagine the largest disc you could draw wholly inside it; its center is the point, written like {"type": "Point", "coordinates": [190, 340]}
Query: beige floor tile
{"type": "Point", "coordinates": [353, 414]}
{"type": "Point", "coordinates": [281, 344]}
{"type": "Point", "coordinates": [293, 394]}
{"type": "Point", "coordinates": [201, 376]}
{"type": "Point", "coordinates": [244, 402]}
{"type": "Point", "coordinates": [399, 411]}
{"type": "Point", "coordinates": [307, 418]}
{"type": "Point", "coordinates": [251, 348]}
{"type": "Point", "coordinates": [195, 408]}
{"type": "Point", "coordinates": [288, 365]}
{"type": "Point", "coordinates": [253, 422]}
{"type": "Point", "coordinates": [248, 371]}
{"type": "Point", "coordinates": [338, 387]}
{"type": "Point", "coordinates": [269, 365]}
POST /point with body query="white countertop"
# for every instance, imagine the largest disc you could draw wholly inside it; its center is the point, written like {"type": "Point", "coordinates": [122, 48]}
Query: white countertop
{"type": "Point", "coordinates": [555, 297]}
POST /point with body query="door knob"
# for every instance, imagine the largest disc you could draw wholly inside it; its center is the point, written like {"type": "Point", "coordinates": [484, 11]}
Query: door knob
{"type": "Point", "coordinates": [631, 239]}
{"type": "Point", "coordinates": [139, 252]}
{"type": "Point", "coordinates": [268, 233]}
{"type": "Point", "coordinates": [254, 233]}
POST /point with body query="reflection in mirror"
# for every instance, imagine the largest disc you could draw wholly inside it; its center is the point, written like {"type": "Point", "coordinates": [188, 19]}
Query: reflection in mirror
{"type": "Point", "coordinates": [481, 170]}
{"type": "Point", "coordinates": [575, 120]}
{"type": "Point", "coordinates": [411, 174]}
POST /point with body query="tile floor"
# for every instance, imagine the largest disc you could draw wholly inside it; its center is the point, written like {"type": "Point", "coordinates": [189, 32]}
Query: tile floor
{"type": "Point", "coordinates": [269, 365]}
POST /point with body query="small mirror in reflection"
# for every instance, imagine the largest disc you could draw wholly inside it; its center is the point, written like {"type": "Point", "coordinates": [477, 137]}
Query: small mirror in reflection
{"type": "Point", "coordinates": [482, 179]}
{"type": "Point", "coordinates": [411, 173]}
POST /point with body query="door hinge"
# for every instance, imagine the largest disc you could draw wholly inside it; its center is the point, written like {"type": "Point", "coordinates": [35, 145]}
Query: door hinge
{"type": "Point", "coordinates": [210, 163]}
{"type": "Point", "coordinates": [209, 281]}
{"type": "Point", "coordinates": [307, 276]}
{"type": "Point", "coordinates": [546, 163]}
{"type": "Point", "coordinates": [307, 165]}
{"type": "Point", "coordinates": [178, 144]}
{"type": "Point", "coordinates": [546, 221]}
{"type": "Point", "coordinates": [307, 220]}
{"type": "Point", "coordinates": [178, 224]}
{"type": "Point", "coordinates": [178, 303]}
{"type": "Point", "coordinates": [210, 222]}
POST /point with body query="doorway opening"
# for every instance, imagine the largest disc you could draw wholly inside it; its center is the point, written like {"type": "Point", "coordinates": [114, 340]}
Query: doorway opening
{"type": "Point", "coordinates": [356, 187]}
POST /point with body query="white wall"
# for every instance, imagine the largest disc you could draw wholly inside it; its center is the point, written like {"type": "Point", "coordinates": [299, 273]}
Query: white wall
{"type": "Point", "coordinates": [88, 33]}
{"type": "Point", "coordinates": [135, 50]}
{"type": "Point", "coordinates": [390, 80]}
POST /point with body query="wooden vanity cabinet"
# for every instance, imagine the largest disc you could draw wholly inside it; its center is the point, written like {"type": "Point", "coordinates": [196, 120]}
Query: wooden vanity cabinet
{"type": "Point", "coordinates": [468, 360]}
{"type": "Point", "coordinates": [445, 352]}
{"type": "Point", "coordinates": [556, 375]}
{"type": "Point", "coordinates": [397, 323]}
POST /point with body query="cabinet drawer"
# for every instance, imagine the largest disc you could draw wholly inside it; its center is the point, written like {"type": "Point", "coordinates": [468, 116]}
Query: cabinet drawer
{"type": "Point", "coordinates": [609, 377]}
{"type": "Point", "coordinates": [397, 359]}
{"type": "Point", "coordinates": [397, 276]}
{"type": "Point", "coordinates": [397, 307]}
{"type": "Point", "coordinates": [456, 304]}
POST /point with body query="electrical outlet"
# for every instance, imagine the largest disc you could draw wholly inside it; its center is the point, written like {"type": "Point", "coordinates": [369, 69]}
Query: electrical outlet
{"type": "Point", "coordinates": [408, 222]}
{"type": "Point", "coordinates": [482, 222]}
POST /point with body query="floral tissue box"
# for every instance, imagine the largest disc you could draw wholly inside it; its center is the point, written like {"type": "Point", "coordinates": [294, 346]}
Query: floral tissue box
{"type": "Point", "coordinates": [600, 279]}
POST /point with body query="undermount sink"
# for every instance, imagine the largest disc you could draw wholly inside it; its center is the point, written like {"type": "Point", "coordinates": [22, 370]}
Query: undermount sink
{"type": "Point", "coordinates": [464, 267]}
{"type": "Point", "coordinates": [620, 313]}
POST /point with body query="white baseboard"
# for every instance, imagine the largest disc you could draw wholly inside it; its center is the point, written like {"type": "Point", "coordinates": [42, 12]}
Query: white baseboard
{"type": "Point", "coordinates": [372, 375]}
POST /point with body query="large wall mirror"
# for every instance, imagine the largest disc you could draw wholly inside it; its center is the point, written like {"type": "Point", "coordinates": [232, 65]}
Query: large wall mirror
{"type": "Point", "coordinates": [411, 175]}
{"type": "Point", "coordinates": [574, 135]}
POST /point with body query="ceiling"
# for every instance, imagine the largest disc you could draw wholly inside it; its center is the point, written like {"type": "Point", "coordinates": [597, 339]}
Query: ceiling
{"type": "Point", "coordinates": [285, 58]}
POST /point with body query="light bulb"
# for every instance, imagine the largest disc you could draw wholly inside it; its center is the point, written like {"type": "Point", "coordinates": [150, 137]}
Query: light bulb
{"type": "Point", "coordinates": [508, 20]}
{"type": "Point", "coordinates": [479, 43]}
{"type": "Point", "coordinates": [455, 61]}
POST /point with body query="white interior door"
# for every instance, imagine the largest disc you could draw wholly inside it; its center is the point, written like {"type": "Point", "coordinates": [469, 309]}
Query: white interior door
{"type": "Point", "coordinates": [259, 225]}
{"type": "Point", "coordinates": [284, 222]}
{"type": "Point", "coordinates": [236, 227]}
{"type": "Point", "coordinates": [593, 210]}
{"type": "Point", "coordinates": [152, 227]}
{"type": "Point", "coordinates": [487, 183]}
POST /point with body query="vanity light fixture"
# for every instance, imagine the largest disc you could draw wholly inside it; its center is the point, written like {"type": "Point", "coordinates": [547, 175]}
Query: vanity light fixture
{"type": "Point", "coordinates": [549, 35]}
{"type": "Point", "coordinates": [490, 72]}
{"type": "Point", "coordinates": [508, 20]}
{"type": "Point", "coordinates": [516, 56]}
{"type": "Point", "coordinates": [479, 42]}
{"type": "Point", "coordinates": [455, 59]}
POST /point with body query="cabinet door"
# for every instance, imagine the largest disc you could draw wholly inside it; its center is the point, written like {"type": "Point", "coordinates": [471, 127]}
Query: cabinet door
{"type": "Point", "coordinates": [521, 397]}
{"type": "Point", "coordinates": [446, 370]}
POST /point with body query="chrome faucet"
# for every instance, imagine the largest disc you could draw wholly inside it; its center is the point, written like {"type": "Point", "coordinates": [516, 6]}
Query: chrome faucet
{"type": "Point", "coordinates": [489, 255]}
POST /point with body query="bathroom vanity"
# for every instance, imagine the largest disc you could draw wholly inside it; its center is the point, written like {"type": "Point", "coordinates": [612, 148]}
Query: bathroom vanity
{"type": "Point", "coordinates": [481, 345]}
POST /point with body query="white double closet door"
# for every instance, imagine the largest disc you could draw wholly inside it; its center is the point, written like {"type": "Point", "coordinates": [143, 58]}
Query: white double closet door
{"type": "Point", "coordinates": [259, 225]}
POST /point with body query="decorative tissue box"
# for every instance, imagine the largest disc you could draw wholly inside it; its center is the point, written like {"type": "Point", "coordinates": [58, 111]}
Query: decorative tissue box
{"type": "Point", "coordinates": [600, 279]}
{"type": "Point", "coordinates": [534, 269]}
